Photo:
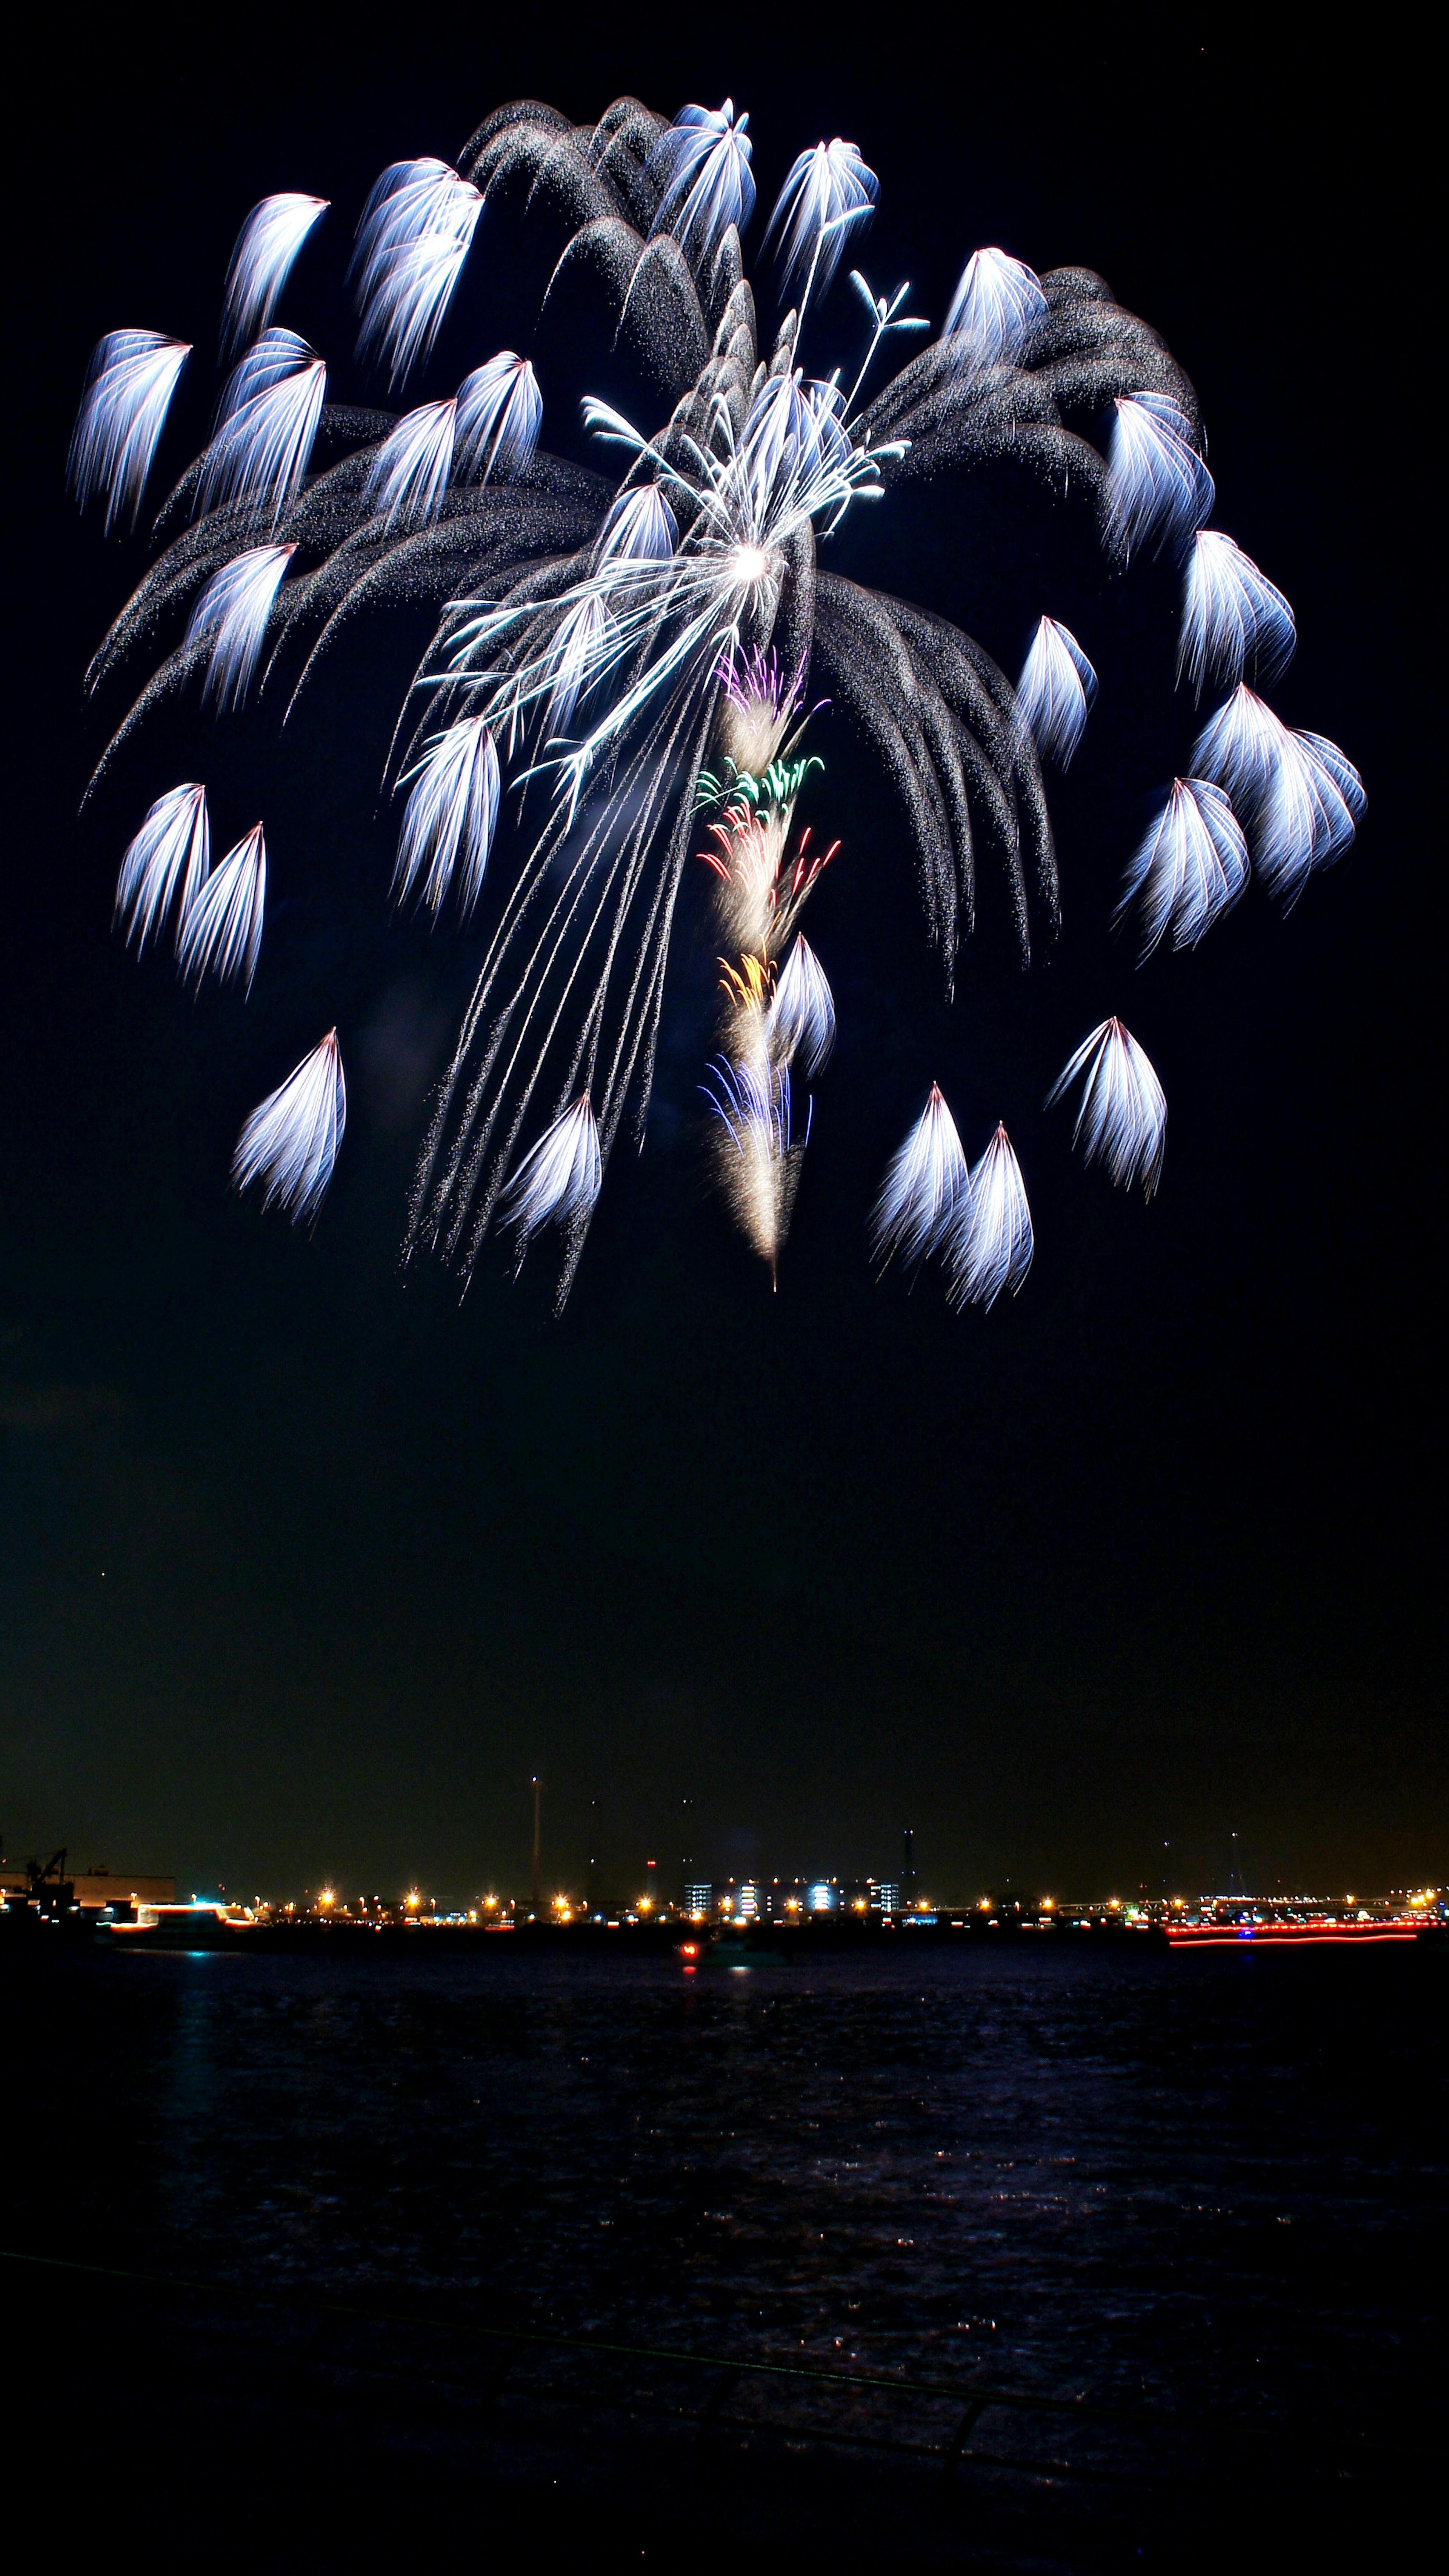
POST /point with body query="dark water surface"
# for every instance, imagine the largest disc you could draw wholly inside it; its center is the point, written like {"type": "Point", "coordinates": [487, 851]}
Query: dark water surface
{"type": "Point", "coordinates": [1208, 2186]}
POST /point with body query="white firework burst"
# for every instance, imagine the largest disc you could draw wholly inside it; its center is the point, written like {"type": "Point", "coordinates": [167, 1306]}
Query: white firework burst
{"type": "Point", "coordinates": [1056, 691]}
{"type": "Point", "coordinates": [265, 253]}
{"type": "Point", "coordinates": [1190, 868]}
{"type": "Point", "coordinates": [992, 1244]}
{"type": "Point", "coordinates": [290, 1143]}
{"type": "Point", "coordinates": [128, 394]}
{"type": "Point", "coordinates": [169, 857]}
{"type": "Point", "coordinates": [1122, 1114]}
{"type": "Point", "coordinates": [927, 1184]}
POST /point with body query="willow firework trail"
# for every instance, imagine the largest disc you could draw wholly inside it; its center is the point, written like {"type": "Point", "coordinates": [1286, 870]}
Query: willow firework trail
{"type": "Point", "coordinates": [1160, 486]}
{"type": "Point", "coordinates": [221, 930]}
{"type": "Point", "coordinates": [640, 527]}
{"type": "Point", "coordinates": [231, 617]}
{"type": "Point", "coordinates": [926, 1187]}
{"type": "Point", "coordinates": [828, 194]}
{"type": "Point", "coordinates": [1056, 691]}
{"type": "Point", "coordinates": [169, 857]}
{"type": "Point", "coordinates": [801, 1022]}
{"type": "Point", "coordinates": [270, 410]}
{"type": "Point", "coordinates": [410, 471]}
{"type": "Point", "coordinates": [1301, 799]}
{"type": "Point", "coordinates": [1191, 867]}
{"type": "Point", "coordinates": [992, 1244]}
{"type": "Point", "coordinates": [500, 413]}
{"type": "Point", "coordinates": [702, 164]}
{"type": "Point", "coordinates": [262, 262]}
{"type": "Point", "coordinates": [128, 394]}
{"type": "Point", "coordinates": [416, 232]}
{"type": "Point", "coordinates": [290, 1143]}
{"type": "Point", "coordinates": [559, 1181]}
{"type": "Point", "coordinates": [635, 648]}
{"type": "Point", "coordinates": [450, 817]}
{"type": "Point", "coordinates": [1231, 616]}
{"type": "Point", "coordinates": [1122, 1113]}
{"type": "Point", "coordinates": [993, 308]}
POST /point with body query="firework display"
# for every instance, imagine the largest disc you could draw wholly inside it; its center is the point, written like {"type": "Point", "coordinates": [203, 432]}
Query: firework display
{"type": "Point", "coordinates": [636, 658]}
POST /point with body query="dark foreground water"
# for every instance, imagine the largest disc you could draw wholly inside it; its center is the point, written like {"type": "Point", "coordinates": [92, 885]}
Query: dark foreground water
{"type": "Point", "coordinates": [1187, 2209]}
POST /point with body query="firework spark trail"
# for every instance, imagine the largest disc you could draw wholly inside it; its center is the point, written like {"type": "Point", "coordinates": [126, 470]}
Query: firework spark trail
{"type": "Point", "coordinates": [1123, 1111]}
{"type": "Point", "coordinates": [703, 160]}
{"type": "Point", "coordinates": [450, 816]}
{"type": "Point", "coordinates": [221, 928]}
{"type": "Point", "coordinates": [128, 394]}
{"type": "Point", "coordinates": [411, 470]}
{"type": "Point", "coordinates": [290, 1143]}
{"type": "Point", "coordinates": [827, 193]}
{"type": "Point", "coordinates": [266, 252]}
{"type": "Point", "coordinates": [269, 415]}
{"type": "Point", "coordinates": [1191, 867]}
{"type": "Point", "coordinates": [415, 234]}
{"type": "Point", "coordinates": [994, 306]}
{"type": "Point", "coordinates": [992, 1245]}
{"type": "Point", "coordinates": [634, 646]}
{"type": "Point", "coordinates": [1301, 799]}
{"type": "Point", "coordinates": [169, 857]}
{"type": "Point", "coordinates": [771, 1018]}
{"type": "Point", "coordinates": [1160, 485]}
{"type": "Point", "coordinates": [801, 1023]}
{"type": "Point", "coordinates": [499, 416]}
{"type": "Point", "coordinates": [927, 1185]}
{"type": "Point", "coordinates": [232, 616]}
{"type": "Point", "coordinates": [1231, 615]}
{"type": "Point", "coordinates": [1056, 691]}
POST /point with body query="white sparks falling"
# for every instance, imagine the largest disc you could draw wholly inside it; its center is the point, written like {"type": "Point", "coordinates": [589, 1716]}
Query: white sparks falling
{"type": "Point", "coordinates": [290, 1143]}
{"type": "Point", "coordinates": [409, 473]}
{"type": "Point", "coordinates": [500, 413]}
{"type": "Point", "coordinates": [560, 1179]}
{"type": "Point", "coordinates": [1191, 867]}
{"type": "Point", "coordinates": [584, 648]}
{"type": "Point", "coordinates": [703, 159]}
{"type": "Point", "coordinates": [801, 1020]}
{"type": "Point", "coordinates": [926, 1186]}
{"type": "Point", "coordinates": [1122, 1114]}
{"type": "Point", "coordinates": [415, 234]}
{"type": "Point", "coordinates": [640, 527]}
{"type": "Point", "coordinates": [1055, 691]}
{"type": "Point", "coordinates": [270, 410]}
{"type": "Point", "coordinates": [450, 817]}
{"type": "Point", "coordinates": [1159, 483]}
{"type": "Point", "coordinates": [995, 304]}
{"type": "Point", "coordinates": [993, 1246]}
{"type": "Point", "coordinates": [232, 612]}
{"type": "Point", "coordinates": [1231, 615]}
{"type": "Point", "coordinates": [221, 930]}
{"type": "Point", "coordinates": [1302, 800]}
{"type": "Point", "coordinates": [828, 194]}
{"type": "Point", "coordinates": [266, 248]}
{"type": "Point", "coordinates": [171, 853]}
{"type": "Point", "coordinates": [123, 412]}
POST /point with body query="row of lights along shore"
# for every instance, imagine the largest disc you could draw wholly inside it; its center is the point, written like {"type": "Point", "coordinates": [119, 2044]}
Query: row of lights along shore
{"type": "Point", "coordinates": [750, 1903]}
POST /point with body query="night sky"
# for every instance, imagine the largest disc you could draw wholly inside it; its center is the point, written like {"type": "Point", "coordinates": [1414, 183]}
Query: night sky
{"type": "Point", "coordinates": [306, 1565]}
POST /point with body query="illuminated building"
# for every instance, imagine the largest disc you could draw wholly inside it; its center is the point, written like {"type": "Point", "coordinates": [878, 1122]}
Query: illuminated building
{"type": "Point", "coordinates": [885, 1896]}
{"type": "Point", "coordinates": [698, 1895]}
{"type": "Point", "coordinates": [821, 1896]}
